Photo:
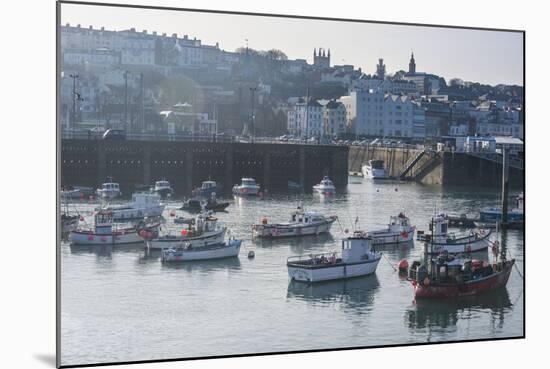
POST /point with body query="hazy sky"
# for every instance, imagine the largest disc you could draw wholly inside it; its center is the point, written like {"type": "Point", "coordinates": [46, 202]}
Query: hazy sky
{"type": "Point", "coordinates": [491, 57]}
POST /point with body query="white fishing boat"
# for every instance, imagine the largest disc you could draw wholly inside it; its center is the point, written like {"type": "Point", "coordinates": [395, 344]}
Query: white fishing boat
{"type": "Point", "coordinates": [204, 231]}
{"type": "Point", "coordinates": [188, 252]}
{"type": "Point", "coordinates": [354, 260]}
{"type": "Point", "coordinates": [163, 189]}
{"type": "Point", "coordinates": [104, 232]}
{"type": "Point", "coordinates": [143, 204]}
{"type": "Point", "coordinates": [109, 190]}
{"type": "Point", "coordinates": [440, 240]}
{"type": "Point", "coordinates": [398, 230]}
{"type": "Point", "coordinates": [302, 223]}
{"type": "Point", "coordinates": [248, 186]}
{"type": "Point", "coordinates": [325, 187]}
{"type": "Point", "coordinates": [374, 169]}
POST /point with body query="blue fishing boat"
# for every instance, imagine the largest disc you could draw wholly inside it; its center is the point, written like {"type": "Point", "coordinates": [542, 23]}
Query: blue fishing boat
{"type": "Point", "coordinates": [495, 214]}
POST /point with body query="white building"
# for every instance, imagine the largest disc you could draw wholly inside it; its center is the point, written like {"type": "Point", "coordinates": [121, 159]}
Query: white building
{"type": "Point", "coordinates": [334, 118]}
{"type": "Point", "coordinates": [305, 120]}
{"type": "Point", "coordinates": [385, 85]}
{"type": "Point", "coordinates": [374, 113]}
{"type": "Point", "coordinates": [91, 57]}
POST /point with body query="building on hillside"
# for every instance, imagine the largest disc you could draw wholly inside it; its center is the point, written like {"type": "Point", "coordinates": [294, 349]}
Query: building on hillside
{"type": "Point", "coordinates": [305, 120]}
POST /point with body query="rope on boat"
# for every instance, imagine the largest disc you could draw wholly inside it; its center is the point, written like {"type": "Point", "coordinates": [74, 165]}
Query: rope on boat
{"type": "Point", "coordinates": [340, 224]}
{"type": "Point", "coordinates": [515, 265]}
{"type": "Point", "coordinates": [384, 256]}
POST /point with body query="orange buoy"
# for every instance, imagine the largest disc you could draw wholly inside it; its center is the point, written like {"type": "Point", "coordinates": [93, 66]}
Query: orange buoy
{"type": "Point", "coordinates": [403, 265]}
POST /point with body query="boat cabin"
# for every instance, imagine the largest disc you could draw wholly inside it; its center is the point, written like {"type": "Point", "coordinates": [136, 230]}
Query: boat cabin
{"type": "Point", "coordinates": [376, 164]}
{"type": "Point", "coordinates": [248, 182]}
{"type": "Point", "coordinates": [326, 182]}
{"type": "Point", "coordinates": [110, 186]}
{"type": "Point", "coordinates": [206, 185]}
{"type": "Point", "coordinates": [306, 217]}
{"type": "Point", "coordinates": [439, 225]}
{"type": "Point", "coordinates": [103, 221]}
{"type": "Point", "coordinates": [355, 248]}
{"type": "Point", "coordinates": [162, 184]}
{"type": "Point", "coordinates": [400, 220]}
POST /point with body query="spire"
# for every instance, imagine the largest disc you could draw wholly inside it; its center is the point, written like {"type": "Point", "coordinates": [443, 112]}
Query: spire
{"type": "Point", "coordinates": [412, 64]}
{"type": "Point", "coordinates": [314, 52]}
{"type": "Point", "coordinates": [323, 53]}
{"type": "Point", "coordinates": [329, 53]}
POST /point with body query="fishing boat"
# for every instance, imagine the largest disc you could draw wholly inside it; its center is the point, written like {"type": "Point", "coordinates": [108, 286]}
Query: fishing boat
{"type": "Point", "coordinates": [143, 204]}
{"type": "Point", "coordinates": [214, 205]}
{"type": "Point", "coordinates": [188, 252]}
{"type": "Point", "coordinates": [354, 260]}
{"type": "Point", "coordinates": [248, 186]}
{"type": "Point", "coordinates": [398, 230]}
{"type": "Point", "coordinates": [440, 240]}
{"type": "Point", "coordinates": [105, 232]}
{"type": "Point", "coordinates": [301, 223]}
{"type": "Point", "coordinates": [493, 215]}
{"type": "Point", "coordinates": [109, 191]}
{"type": "Point", "coordinates": [374, 169]}
{"type": "Point", "coordinates": [193, 205]}
{"type": "Point", "coordinates": [448, 276]}
{"type": "Point", "coordinates": [163, 189]}
{"type": "Point", "coordinates": [77, 192]}
{"type": "Point", "coordinates": [204, 231]}
{"type": "Point", "coordinates": [325, 187]}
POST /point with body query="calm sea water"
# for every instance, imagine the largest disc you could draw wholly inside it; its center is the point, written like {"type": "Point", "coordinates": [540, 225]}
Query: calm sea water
{"type": "Point", "coordinates": [123, 304]}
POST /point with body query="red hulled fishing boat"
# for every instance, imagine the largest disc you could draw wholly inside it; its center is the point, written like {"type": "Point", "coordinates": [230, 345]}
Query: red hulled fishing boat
{"type": "Point", "coordinates": [448, 276]}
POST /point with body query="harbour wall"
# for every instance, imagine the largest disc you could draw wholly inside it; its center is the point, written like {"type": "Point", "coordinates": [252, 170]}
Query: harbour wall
{"type": "Point", "coordinates": [442, 168]}
{"type": "Point", "coordinates": [187, 164]}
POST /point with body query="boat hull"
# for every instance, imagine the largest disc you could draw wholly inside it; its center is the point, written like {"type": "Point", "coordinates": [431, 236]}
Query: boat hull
{"type": "Point", "coordinates": [246, 191]}
{"type": "Point", "coordinates": [117, 238]}
{"type": "Point", "coordinates": [282, 230]}
{"type": "Point", "coordinates": [470, 288]}
{"type": "Point", "coordinates": [385, 237]}
{"type": "Point", "coordinates": [137, 213]}
{"type": "Point", "coordinates": [324, 190]}
{"type": "Point", "coordinates": [332, 272]}
{"type": "Point", "coordinates": [209, 238]}
{"type": "Point", "coordinates": [225, 250]}
{"type": "Point", "coordinates": [470, 244]}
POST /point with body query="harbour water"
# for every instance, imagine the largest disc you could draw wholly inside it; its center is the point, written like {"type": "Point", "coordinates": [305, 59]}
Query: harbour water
{"type": "Point", "coordinates": [123, 304]}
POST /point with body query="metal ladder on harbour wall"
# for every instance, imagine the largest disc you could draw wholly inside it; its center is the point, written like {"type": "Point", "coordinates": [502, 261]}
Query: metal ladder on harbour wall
{"type": "Point", "coordinates": [411, 163]}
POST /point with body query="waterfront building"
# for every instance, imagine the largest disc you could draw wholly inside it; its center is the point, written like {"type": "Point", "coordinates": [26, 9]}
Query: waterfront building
{"type": "Point", "coordinates": [334, 118]}
{"type": "Point", "coordinates": [373, 113]}
{"type": "Point", "coordinates": [305, 120]}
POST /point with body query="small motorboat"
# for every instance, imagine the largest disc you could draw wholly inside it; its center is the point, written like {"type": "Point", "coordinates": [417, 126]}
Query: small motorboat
{"type": "Point", "coordinates": [193, 205]}
{"type": "Point", "coordinates": [188, 252]}
{"type": "Point", "coordinates": [325, 187]}
{"type": "Point", "coordinates": [248, 187]}
{"type": "Point", "coordinates": [399, 230]}
{"type": "Point", "coordinates": [109, 191]}
{"type": "Point", "coordinates": [77, 192]}
{"type": "Point", "coordinates": [354, 260]}
{"type": "Point", "coordinates": [374, 169]}
{"type": "Point", "coordinates": [105, 232]}
{"type": "Point", "coordinates": [493, 215]}
{"type": "Point", "coordinates": [163, 189]}
{"type": "Point", "coordinates": [448, 276]}
{"type": "Point", "coordinates": [69, 222]}
{"type": "Point", "coordinates": [440, 240]}
{"type": "Point", "coordinates": [207, 188]}
{"type": "Point", "coordinates": [143, 204]}
{"type": "Point", "coordinates": [203, 232]}
{"type": "Point", "coordinates": [214, 205]}
{"type": "Point", "coordinates": [302, 223]}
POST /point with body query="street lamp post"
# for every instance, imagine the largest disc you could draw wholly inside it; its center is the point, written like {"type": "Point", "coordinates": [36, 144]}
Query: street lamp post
{"type": "Point", "coordinates": [73, 118]}
{"type": "Point", "coordinates": [253, 90]}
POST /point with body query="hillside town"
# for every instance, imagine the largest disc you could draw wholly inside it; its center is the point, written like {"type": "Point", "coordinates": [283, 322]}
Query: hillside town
{"type": "Point", "coordinates": [149, 83]}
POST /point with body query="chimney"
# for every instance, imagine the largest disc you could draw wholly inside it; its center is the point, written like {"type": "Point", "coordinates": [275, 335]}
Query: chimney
{"type": "Point", "coordinates": [144, 31]}
{"type": "Point", "coordinates": [185, 37]}
{"type": "Point", "coordinates": [67, 25]}
{"type": "Point", "coordinates": [78, 26]}
{"type": "Point", "coordinates": [132, 29]}
{"type": "Point", "coordinates": [164, 34]}
{"type": "Point", "coordinates": [174, 35]}
{"type": "Point", "coordinates": [103, 28]}
{"type": "Point", "coordinates": [91, 27]}
{"type": "Point", "coordinates": [154, 33]}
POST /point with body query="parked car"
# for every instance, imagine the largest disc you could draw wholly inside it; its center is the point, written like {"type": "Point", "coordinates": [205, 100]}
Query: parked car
{"type": "Point", "coordinates": [114, 134]}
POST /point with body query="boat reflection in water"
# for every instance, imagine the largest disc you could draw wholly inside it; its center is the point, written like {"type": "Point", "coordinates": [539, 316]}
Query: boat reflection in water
{"type": "Point", "coordinates": [437, 317]}
{"type": "Point", "coordinates": [356, 294]}
{"type": "Point", "coordinates": [297, 245]}
{"type": "Point", "coordinates": [399, 251]}
{"type": "Point", "coordinates": [105, 250]}
{"type": "Point", "coordinates": [205, 266]}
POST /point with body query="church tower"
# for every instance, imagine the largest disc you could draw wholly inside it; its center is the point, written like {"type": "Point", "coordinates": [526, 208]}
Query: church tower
{"type": "Point", "coordinates": [412, 64]}
{"type": "Point", "coordinates": [381, 69]}
{"type": "Point", "coordinates": [321, 58]}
